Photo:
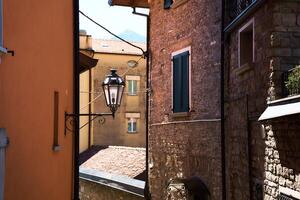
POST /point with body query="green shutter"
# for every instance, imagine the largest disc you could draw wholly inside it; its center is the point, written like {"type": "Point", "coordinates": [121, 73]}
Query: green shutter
{"type": "Point", "coordinates": [185, 82]}
{"type": "Point", "coordinates": [181, 82]}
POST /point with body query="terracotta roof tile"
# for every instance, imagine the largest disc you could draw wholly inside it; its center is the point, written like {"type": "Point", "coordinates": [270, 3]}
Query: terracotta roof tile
{"type": "Point", "coordinates": [127, 161]}
{"type": "Point", "coordinates": [117, 46]}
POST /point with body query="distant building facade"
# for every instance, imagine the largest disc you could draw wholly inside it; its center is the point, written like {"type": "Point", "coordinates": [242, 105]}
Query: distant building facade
{"type": "Point", "coordinates": [129, 126]}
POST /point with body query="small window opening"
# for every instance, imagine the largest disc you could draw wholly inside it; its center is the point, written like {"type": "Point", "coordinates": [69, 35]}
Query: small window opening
{"type": "Point", "coordinates": [246, 45]}
{"type": "Point", "coordinates": [132, 125]}
{"type": "Point", "coordinates": [132, 87]}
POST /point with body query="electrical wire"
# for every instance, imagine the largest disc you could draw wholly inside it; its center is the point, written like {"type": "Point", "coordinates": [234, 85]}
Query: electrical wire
{"type": "Point", "coordinates": [89, 18]}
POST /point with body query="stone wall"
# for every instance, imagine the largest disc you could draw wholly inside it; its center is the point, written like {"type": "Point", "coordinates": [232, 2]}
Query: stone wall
{"type": "Point", "coordinates": [285, 43]}
{"type": "Point", "coordinates": [282, 152]}
{"type": "Point", "coordinates": [245, 100]}
{"type": "Point", "coordinates": [184, 150]}
{"type": "Point", "coordinates": [276, 45]}
{"type": "Point", "coordinates": [94, 191]}
{"type": "Point", "coordinates": [181, 147]}
{"type": "Point", "coordinates": [282, 156]}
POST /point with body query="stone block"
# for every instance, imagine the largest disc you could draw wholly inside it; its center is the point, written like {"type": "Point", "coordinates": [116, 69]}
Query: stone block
{"type": "Point", "coordinates": [288, 19]}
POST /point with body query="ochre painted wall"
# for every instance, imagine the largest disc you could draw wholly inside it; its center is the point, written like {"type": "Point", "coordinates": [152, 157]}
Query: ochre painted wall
{"type": "Point", "coordinates": [114, 131]}
{"type": "Point", "coordinates": [84, 108]}
{"type": "Point", "coordinates": [41, 34]}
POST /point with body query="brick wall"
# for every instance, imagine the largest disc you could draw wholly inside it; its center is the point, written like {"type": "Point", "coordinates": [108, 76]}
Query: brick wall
{"type": "Point", "coordinates": [94, 191]}
{"type": "Point", "coordinates": [282, 152]}
{"type": "Point", "coordinates": [183, 149]}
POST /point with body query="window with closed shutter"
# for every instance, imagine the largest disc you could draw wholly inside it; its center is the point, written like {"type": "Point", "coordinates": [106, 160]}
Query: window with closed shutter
{"type": "Point", "coordinates": [181, 82]}
{"type": "Point", "coordinates": [167, 4]}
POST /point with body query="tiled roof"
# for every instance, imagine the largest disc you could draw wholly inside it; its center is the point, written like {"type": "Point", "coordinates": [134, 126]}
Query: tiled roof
{"type": "Point", "coordinates": [126, 161]}
{"type": "Point", "coordinates": [117, 46]}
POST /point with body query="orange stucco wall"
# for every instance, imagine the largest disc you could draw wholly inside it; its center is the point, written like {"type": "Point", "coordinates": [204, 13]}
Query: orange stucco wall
{"type": "Point", "coordinates": [41, 34]}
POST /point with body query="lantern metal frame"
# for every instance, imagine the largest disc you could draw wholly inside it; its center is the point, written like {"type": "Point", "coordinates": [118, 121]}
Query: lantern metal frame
{"type": "Point", "coordinates": [111, 80]}
{"type": "Point", "coordinates": [116, 82]}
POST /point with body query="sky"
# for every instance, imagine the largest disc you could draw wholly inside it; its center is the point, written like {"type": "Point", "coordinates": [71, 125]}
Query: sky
{"type": "Point", "coordinates": [115, 18]}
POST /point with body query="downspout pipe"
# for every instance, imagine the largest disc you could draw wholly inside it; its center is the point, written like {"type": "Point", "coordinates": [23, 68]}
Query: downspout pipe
{"type": "Point", "coordinates": [76, 72]}
{"type": "Point", "coordinates": [222, 86]}
{"type": "Point", "coordinates": [147, 192]}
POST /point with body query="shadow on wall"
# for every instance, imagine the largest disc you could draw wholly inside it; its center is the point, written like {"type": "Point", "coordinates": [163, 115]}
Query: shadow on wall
{"type": "Point", "coordinates": [287, 140]}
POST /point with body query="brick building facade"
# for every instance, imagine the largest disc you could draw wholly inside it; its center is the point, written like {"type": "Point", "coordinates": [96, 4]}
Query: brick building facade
{"type": "Point", "coordinates": [182, 145]}
{"type": "Point", "coordinates": [261, 125]}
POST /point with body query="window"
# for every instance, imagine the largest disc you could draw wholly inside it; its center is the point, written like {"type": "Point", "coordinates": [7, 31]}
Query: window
{"type": "Point", "coordinates": [132, 119]}
{"type": "Point", "coordinates": [173, 3]}
{"type": "Point", "coordinates": [132, 87]}
{"type": "Point", "coordinates": [132, 125]}
{"type": "Point", "coordinates": [132, 84]}
{"type": "Point", "coordinates": [168, 4]}
{"type": "Point", "coordinates": [181, 80]}
{"type": "Point", "coordinates": [246, 44]}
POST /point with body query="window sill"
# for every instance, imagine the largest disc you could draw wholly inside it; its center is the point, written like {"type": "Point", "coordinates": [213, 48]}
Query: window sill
{"type": "Point", "coordinates": [135, 132]}
{"type": "Point", "coordinates": [178, 3]}
{"type": "Point", "coordinates": [243, 69]}
{"type": "Point", "coordinates": [180, 114]}
{"type": "Point", "coordinates": [132, 95]}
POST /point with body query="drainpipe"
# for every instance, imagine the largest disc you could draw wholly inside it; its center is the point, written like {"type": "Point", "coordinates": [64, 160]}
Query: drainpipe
{"type": "Point", "coordinates": [76, 72]}
{"type": "Point", "coordinates": [223, 153]}
{"type": "Point", "coordinates": [249, 137]}
{"type": "Point", "coordinates": [147, 192]}
{"type": "Point", "coordinates": [90, 109]}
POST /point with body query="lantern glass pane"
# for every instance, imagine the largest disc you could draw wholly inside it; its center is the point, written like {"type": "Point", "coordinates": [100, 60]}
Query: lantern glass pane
{"type": "Point", "coordinates": [106, 93]}
{"type": "Point", "coordinates": [113, 90]}
{"type": "Point", "coordinates": [121, 89]}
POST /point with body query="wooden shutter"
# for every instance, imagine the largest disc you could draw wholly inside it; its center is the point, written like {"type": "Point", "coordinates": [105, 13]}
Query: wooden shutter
{"type": "Point", "coordinates": [181, 82]}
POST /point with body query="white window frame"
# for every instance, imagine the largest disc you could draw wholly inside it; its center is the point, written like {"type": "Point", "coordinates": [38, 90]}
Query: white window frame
{"type": "Point", "coordinates": [132, 120]}
{"type": "Point", "coordinates": [130, 78]}
{"type": "Point", "coordinates": [131, 83]}
{"type": "Point", "coordinates": [189, 49]}
{"type": "Point", "coordinates": [251, 21]}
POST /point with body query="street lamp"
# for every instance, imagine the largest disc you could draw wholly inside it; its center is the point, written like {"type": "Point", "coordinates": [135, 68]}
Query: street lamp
{"type": "Point", "coordinates": [113, 88]}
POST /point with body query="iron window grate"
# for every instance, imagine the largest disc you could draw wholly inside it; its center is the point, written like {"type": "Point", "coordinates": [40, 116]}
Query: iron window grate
{"type": "Point", "coordinates": [285, 197]}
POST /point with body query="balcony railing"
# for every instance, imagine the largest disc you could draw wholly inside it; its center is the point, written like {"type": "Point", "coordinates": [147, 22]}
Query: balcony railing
{"type": "Point", "coordinates": [291, 86]}
{"type": "Point", "coordinates": [235, 8]}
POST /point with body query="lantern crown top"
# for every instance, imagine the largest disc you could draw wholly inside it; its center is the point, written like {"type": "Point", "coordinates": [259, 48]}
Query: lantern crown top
{"type": "Point", "coordinates": [113, 79]}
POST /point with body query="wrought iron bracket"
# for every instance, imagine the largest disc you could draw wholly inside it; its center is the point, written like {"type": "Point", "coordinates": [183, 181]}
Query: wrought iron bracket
{"type": "Point", "coordinates": [71, 118]}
